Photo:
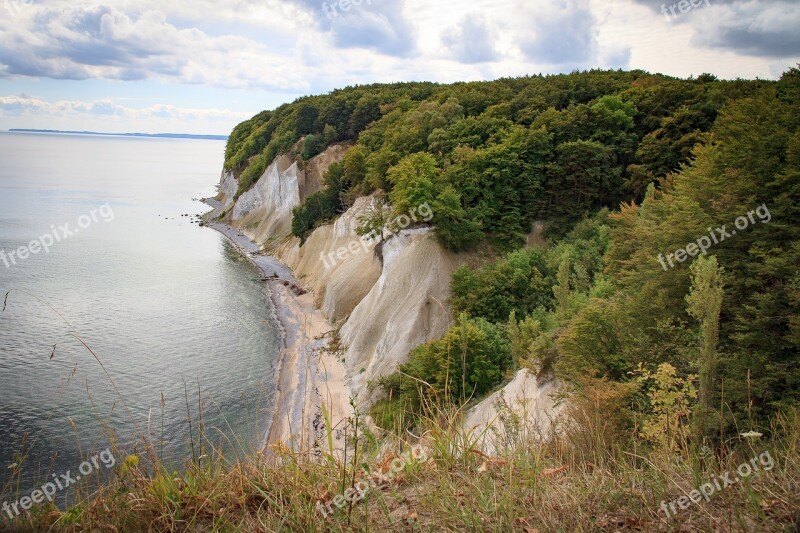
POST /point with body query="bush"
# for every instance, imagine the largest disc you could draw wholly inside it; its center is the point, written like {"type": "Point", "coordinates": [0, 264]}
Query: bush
{"type": "Point", "coordinates": [320, 206]}
{"type": "Point", "coordinates": [312, 146]}
{"type": "Point", "coordinates": [471, 359]}
{"type": "Point", "coordinates": [519, 283]}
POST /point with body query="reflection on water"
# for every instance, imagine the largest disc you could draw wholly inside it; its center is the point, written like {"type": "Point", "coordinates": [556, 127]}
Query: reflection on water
{"type": "Point", "coordinates": [169, 308]}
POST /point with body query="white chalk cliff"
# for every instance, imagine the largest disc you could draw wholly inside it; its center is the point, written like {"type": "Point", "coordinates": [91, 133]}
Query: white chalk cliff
{"type": "Point", "coordinates": [384, 308]}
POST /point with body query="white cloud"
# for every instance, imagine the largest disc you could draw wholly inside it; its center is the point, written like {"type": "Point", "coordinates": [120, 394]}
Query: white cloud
{"type": "Point", "coordinates": [47, 113]}
{"type": "Point", "coordinates": [563, 34]}
{"type": "Point", "coordinates": [473, 40]}
{"type": "Point", "coordinates": [762, 29]}
{"type": "Point", "coordinates": [101, 42]}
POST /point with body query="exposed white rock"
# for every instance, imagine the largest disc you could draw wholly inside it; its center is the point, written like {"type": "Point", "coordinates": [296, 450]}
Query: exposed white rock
{"type": "Point", "coordinates": [406, 307]}
{"type": "Point", "coordinates": [387, 308]}
{"type": "Point", "coordinates": [228, 185]}
{"type": "Point", "coordinates": [335, 263]}
{"type": "Point", "coordinates": [265, 211]}
{"type": "Point", "coordinates": [522, 410]}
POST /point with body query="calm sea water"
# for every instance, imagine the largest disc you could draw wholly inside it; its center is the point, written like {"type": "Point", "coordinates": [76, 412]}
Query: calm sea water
{"type": "Point", "coordinates": [165, 305]}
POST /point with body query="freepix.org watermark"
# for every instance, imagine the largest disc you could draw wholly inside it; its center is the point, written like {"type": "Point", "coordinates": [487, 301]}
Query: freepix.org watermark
{"type": "Point", "coordinates": [359, 491]}
{"type": "Point", "coordinates": [683, 7]}
{"type": "Point", "coordinates": [723, 481]}
{"type": "Point", "coordinates": [362, 244]}
{"type": "Point", "coordinates": [56, 235]}
{"type": "Point", "coordinates": [60, 482]}
{"type": "Point", "coordinates": [344, 5]}
{"type": "Point", "coordinates": [714, 237]}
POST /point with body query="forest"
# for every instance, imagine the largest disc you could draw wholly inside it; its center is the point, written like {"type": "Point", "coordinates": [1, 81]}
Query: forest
{"type": "Point", "coordinates": [621, 169]}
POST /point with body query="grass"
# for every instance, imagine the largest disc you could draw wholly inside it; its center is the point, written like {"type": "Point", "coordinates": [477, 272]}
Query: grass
{"type": "Point", "coordinates": [593, 473]}
{"type": "Point", "coordinates": [532, 486]}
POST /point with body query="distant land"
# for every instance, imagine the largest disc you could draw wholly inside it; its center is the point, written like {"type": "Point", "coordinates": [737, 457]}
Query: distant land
{"type": "Point", "coordinates": [150, 135]}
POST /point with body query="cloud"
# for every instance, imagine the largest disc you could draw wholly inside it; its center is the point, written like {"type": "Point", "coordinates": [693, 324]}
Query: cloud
{"type": "Point", "coordinates": [762, 29]}
{"type": "Point", "coordinates": [378, 26]}
{"type": "Point", "coordinates": [473, 41]}
{"type": "Point", "coordinates": [101, 42]}
{"type": "Point", "coordinates": [28, 105]}
{"type": "Point", "coordinates": [563, 34]}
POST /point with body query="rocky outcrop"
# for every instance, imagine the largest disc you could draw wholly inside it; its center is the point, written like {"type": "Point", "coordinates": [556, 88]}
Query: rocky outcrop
{"type": "Point", "coordinates": [522, 411]}
{"type": "Point", "coordinates": [385, 306]}
{"type": "Point", "coordinates": [406, 307]}
{"type": "Point", "coordinates": [337, 265]}
{"type": "Point", "coordinates": [264, 212]}
{"type": "Point", "coordinates": [228, 186]}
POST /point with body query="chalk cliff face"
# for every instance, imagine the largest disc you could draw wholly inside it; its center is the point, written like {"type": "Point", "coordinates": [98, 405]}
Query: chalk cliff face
{"type": "Point", "coordinates": [406, 307]}
{"type": "Point", "coordinates": [531, 401]}
{"type": "Point", "coordinates": [337, 265]}
{"type": "Point", "coordinates": [265, 211]}
{"type": "Point", "coordinates": [388, 308]}
{"type": "Point", "coordinates": [385, 308]}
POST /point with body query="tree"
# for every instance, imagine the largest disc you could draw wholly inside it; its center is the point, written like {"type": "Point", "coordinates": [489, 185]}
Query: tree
{"type": "Point", "coordinates": [454, 228]}
{"type": "Point", "coordinates": [471, 359]}
{"type": "Point", "coordinates": [704, 303]}
{"type": "Point", "coordinates": [329, 135]}
{"type": "Point", "coordinates": [561, 291]}
{"type": "Point", "coordinates": [367, 110]}
{"type": "Point", "coordinates": [306, 119]}
{"type": "Point", "coordinates": [355, 170]}
{"type": "Point", "coordinates": [321, 205]}
{"type": "Point", "coordinates": [582, 179]}
{"type": "Point", "coordinates": [313, 145]}
{"type": "Point", "coordinates": [414, 181]}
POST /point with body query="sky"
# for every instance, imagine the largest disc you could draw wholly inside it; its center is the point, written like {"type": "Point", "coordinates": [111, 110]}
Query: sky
{"type": "Point", "coordinates": [203, 66]}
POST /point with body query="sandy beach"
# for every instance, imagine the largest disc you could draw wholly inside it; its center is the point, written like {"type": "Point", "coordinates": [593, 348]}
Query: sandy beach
{"type": "Point", "coordinates": [307, 375]}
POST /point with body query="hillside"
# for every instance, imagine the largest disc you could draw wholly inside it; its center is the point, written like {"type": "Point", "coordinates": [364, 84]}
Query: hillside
{"type": "Point", "coordinates": [557, 303]}
{"type": "Point", "coordinates": [620, 169]}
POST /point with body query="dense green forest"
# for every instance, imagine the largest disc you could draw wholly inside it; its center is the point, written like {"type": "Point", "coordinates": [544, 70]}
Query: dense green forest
{"type": "Point", "coordinates": [627, 171]}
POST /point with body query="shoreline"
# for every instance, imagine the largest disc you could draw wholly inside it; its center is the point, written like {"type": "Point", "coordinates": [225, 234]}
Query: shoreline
{"type": "Point", "coordinates": [306, 375]}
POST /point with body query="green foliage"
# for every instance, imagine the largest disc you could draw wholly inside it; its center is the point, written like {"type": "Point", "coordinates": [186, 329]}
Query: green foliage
{"type": "Point", "coordinates": [453, 226]}
{"type": "Point", "coordinates": [669, 158]}
{"type": "Point", "coordinates": [355, 173]}
{"type": "Point", "coordinates": [704, 303]}
{"type": "Point", "coordinates": [313, 145]}
{"type": "Point", "coordinates": [514, 151]}
{"type": "Point", "coordinates": [306, 118]}
{"type": "Point", "coordinates": [671, 401]}
{"type": "Point", "coordinates": [752, 162]}
{"type": "Point", "coordinates": [520, 283]}
{"type": "Point", "coordinates": [414, 182]}
{"type": "Point", "coordinates": [329, 134]}
{"type": "Point", "coordinates": [320, 206]}
{"type": "Point", "coordinates": [470, 360]}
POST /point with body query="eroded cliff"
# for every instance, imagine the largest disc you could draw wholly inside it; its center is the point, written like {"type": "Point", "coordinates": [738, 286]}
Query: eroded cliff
{"type": "Point", "coordinates": [383, 305]}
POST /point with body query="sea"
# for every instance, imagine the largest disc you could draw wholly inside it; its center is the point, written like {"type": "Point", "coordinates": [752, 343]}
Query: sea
{"type": "Point", "coordinates": [125, 325]}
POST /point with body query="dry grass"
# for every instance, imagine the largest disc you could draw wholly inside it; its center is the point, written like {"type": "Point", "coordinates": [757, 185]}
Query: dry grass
{"type": "Point", "coordinates": [551, 486]}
